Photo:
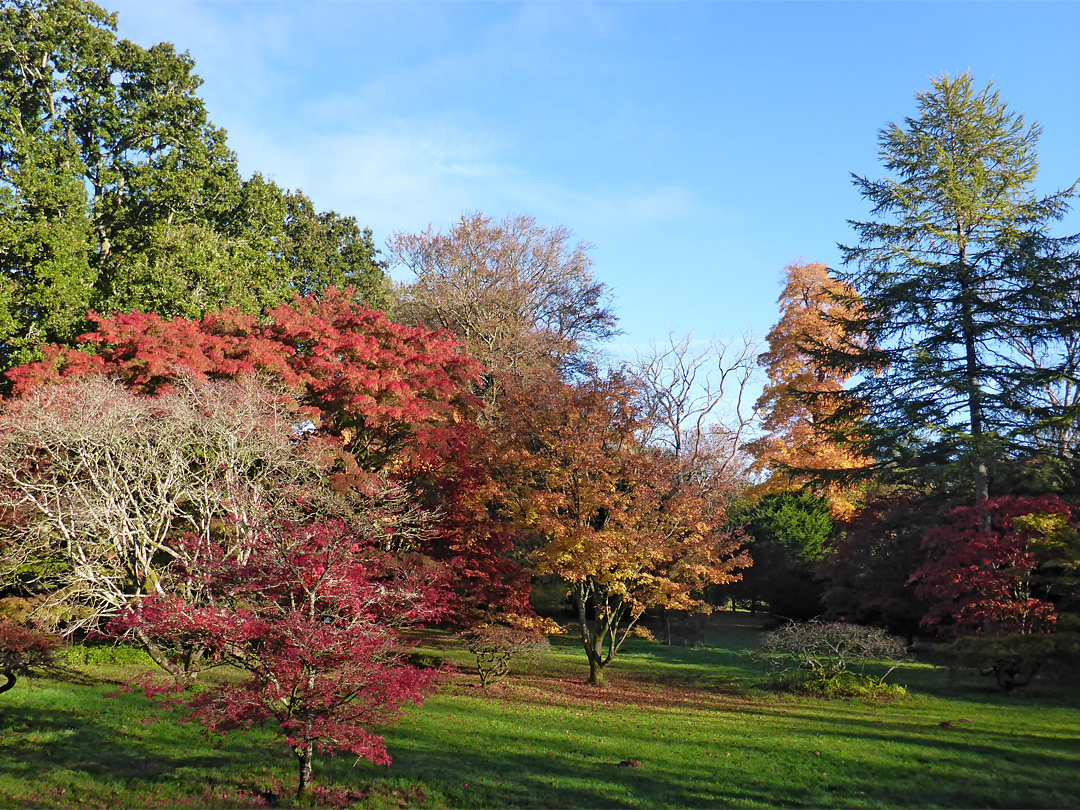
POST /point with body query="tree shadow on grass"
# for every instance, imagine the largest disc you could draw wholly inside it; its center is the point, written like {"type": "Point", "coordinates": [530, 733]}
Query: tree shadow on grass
{"type": "Point", "coordinates": [880, 764]}
{"type": "Point", "coordinates": [38, 740]}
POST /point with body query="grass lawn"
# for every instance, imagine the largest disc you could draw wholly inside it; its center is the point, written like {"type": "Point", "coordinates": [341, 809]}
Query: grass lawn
{"type": "Point", "coordinates": [703, 736]}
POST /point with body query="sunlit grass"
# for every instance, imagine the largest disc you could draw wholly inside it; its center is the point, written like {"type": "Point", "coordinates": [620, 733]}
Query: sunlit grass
{"type": "Point", "coordinates": [702, 734]}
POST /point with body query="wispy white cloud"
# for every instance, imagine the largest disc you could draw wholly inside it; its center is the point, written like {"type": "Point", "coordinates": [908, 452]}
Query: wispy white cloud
{"type": "Point", "coordinates": [407, 175]}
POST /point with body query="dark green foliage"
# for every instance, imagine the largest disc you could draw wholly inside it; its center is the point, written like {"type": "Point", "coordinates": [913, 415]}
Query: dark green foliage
{"type": "Point", "coordinates": [118, 194]}
{"type": "Point", "coordinates": [787, 533]}
{"type": "Point", "coordinates": [330, 250]}
{"type": "Point", "coordinates": [966, 297]}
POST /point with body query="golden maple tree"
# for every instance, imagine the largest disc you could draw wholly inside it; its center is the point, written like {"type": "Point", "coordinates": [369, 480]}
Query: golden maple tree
{"type": "Point", "coordinates": [610, 516]}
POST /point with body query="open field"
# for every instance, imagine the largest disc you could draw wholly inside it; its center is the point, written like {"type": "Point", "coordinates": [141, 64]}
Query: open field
{"type": "Point", "coordinates": [703, 735]}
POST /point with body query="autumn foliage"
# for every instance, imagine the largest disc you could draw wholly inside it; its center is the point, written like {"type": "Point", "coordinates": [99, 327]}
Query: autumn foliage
{"type": "Point", "coordinates": [23, 649]}
{"type": "Point", "coordinates": [614, 518]}
{"type": "Point", "coordinates": [867, 572]}
{"type": "Point", "coordinates": [394, 399]}
{"type": "Point", "coordinates": [373, 383]}
{"type": "Point", "coordinates": [308, 614]}
{"type": "Point", "coordinates": [802, 396]}
{"type": "Point", "coordinates": [984, 582]}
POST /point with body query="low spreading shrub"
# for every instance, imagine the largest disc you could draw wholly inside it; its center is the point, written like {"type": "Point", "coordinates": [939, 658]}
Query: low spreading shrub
{"type": "Point", "coordinates": [831, 658]}
{"type": "Point", "coordinates": [495, 647]}
{"type": "Point", "coordinates": [1013, 660]}
{"type": "Point", "coordinates": [23, 650]}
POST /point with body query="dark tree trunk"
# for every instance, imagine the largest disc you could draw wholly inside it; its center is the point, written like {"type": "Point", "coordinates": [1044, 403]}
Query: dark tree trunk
{"type": "Point", "coordinates": [979, 473]}
{"type": "Point", "coordinates": [596, 671]}
{"type": "Point", "coordinates": [304, 786]}
{"type": "Point", "coordinates": [665, 626]}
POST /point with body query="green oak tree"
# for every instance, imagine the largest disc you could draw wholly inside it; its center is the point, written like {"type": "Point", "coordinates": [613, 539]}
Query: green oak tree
{"type": "Point", "coordinates": [117, 193]}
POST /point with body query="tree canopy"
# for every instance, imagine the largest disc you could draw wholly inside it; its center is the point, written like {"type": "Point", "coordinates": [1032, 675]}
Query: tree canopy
{"type": "Point", "coordinates": [516, 293]}
{"type": "Point", "coordinates": [117, 193]}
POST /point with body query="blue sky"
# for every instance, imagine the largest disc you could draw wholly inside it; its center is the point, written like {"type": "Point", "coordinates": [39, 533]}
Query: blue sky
{"type": "Point", "coordinates": [700, 147]}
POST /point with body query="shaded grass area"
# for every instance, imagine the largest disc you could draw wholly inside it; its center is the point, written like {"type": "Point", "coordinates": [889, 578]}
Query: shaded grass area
{"type": "Point", "coordinates": [690, 718]}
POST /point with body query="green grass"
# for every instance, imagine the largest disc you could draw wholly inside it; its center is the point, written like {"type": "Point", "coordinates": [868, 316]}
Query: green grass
{"type": "Point", "coordinates": [703, 734]}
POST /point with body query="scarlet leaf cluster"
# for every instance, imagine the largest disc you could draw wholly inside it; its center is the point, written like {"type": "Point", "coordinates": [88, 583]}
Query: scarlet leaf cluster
{"type": "Point", "coordinates": [983, 581]}
{"type": "Point", "coordinates": [309, 614]}
{"type": "Point", "coordinates": [371, 382]}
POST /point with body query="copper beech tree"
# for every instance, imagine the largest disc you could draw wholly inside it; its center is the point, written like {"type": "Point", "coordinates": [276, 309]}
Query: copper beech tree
{"type": "Point", "coordinates": [607, 513]}
{"type": "Point", "coordinates": [800, 403]}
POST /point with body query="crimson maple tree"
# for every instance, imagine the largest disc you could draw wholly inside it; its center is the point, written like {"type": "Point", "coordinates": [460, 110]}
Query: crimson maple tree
{"type": "Point", "coordinates": [984, 580]}
{"type": "Point", "coordinates": [310, 614]}
{"type": "Point", "coordinates": [22, 650]}
{"type": "Point", "coordinates": [868, 570]}
{"type": "Point", "coordinates": [374, 384]}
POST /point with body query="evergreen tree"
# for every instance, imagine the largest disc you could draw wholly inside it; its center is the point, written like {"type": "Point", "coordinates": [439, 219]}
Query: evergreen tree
{"type": "Point", "coordinates": [948, 282]}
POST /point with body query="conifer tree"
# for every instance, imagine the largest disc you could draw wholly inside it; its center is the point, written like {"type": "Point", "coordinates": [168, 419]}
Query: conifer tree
{"type": "Point", "coordinates": [951, 272]}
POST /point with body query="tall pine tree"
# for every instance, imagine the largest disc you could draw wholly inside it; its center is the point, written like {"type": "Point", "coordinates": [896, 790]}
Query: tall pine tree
{"type": "Point", "coordinates": [952, 273]}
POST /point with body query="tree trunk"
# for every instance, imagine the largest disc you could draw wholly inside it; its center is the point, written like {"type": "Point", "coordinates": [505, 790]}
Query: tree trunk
{"type": "Point", "coordinates": [596, 672]}
{"type": "Point", "coordinates": [304, 786]}
{"type": "Point", "coordinates": [698, 624]}
{"type": "Point", "coordinates": [180, 674]}
{"type": "Point", "coordinates": [9, 674]}
{"type": "Point", "coordinates": [980, 475]}
{"type": "Point", "coordinates": [665, 626]}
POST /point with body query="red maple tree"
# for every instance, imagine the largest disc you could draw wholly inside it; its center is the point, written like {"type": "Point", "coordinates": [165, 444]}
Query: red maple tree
{"type": "Point", "coordinates": [983, 581]}
{"type": "Point", "coordinates": [374, 384]}
{"type": "Point", "coordinates": [310, 614]}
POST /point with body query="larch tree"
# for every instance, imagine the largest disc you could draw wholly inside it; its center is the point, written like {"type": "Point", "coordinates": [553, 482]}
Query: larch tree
{"type": "Point", "coordinates": [799, 438]}
{"type": "Point", "coordinates": [947, 276]}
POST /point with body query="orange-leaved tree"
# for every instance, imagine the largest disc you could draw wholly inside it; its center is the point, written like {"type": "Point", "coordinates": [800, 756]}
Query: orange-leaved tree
{"type": "Point", "coordinates": [607, 513]}
{"type": "Point", "coordinates": [800, 404]}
